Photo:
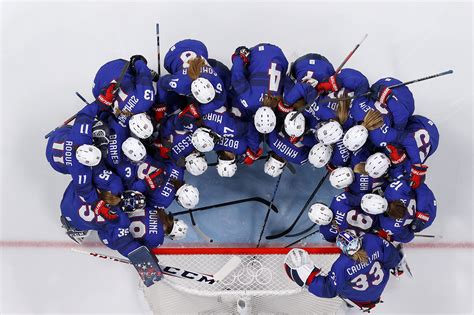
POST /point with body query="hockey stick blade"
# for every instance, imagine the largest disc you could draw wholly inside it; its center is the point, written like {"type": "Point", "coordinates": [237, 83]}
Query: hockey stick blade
{"type": "Point", "coordinates": [198, 230]}
{"type": "Point", "coordinates": [302, 232]}
{"type": "Point", "coordinates": [230, 266]}
{"type": "Point", "coordinates": [288, 230]}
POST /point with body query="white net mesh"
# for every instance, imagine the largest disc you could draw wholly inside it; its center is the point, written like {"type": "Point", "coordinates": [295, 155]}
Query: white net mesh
{"type": "Point", "coordinates": [258, 286]}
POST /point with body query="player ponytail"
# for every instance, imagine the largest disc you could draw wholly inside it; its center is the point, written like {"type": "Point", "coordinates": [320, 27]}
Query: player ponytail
{"type": "Point", "coordinates": [373, 120]}
{"type": "Point", "coordinates": [195, 67]}
{"type": "Point", "coordinates": [396, 210]}
{"type": "Point", "coordinates": [299, 104]}
{"type": "Point", "coordinates": [166, 219]}
{"type": "Point", "coordinates": [342, 111]}
{"type": "Point", "coordinates": [359, 168]}
{"type": "Point", "coordinates": [361, 256]}
{"type": "Point", "coordinates": [109, 198]}
{"type": "Point", "coordinates": [271, 101]}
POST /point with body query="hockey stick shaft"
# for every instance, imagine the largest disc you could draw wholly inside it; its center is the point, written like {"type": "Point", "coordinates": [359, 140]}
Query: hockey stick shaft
{"type": "Point", "coordinates": [288, 230]}
{"type": "Point", "coordinates": [158, 56]}
{"type": "Point", "coordinates": [351, 53]}
{"type": "Point", "coordinates": [302, 238]}
{"type": "Point", "coordinates": [198, 230]}
{"type": "Point", "coordinates": [327, 100]}
{"type": "Point", "coordinates": [268, 210]}
{"type": "Point", "coordinates": [175, 271]}
{"type": "Point", "coordinates": [428, 236]}
{"type": "Point", "coordinates": [229, 203]}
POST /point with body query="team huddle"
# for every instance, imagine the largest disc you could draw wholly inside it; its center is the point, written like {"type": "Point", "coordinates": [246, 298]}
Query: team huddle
{"type": "Point", "coordinates": [128, 151]}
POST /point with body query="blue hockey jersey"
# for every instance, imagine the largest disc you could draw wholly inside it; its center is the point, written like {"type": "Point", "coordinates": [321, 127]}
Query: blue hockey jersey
{"type": "Point", "coordinates": [359, 282]}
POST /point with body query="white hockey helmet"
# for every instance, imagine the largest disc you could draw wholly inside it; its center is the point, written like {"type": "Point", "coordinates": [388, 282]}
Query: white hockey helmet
{"type": "Point", "coordinates": [341, 177]}
{"type": "Point", "coordinates": [320, 154]}
{"type": "Point", "coordinates": [377, 165]}
{"type": "Point", "coordinates": [374, 204]}
{"type": "Point", "coordinates": [179, 230]}
{"type": "Point", "coordinates": [134, 149]}
{"type": "Point", "coordinates": [226, 168]}
{"type": "Point", "coordinates": [330, 132]}
{"type": "Point", "coordinates": [196, 163]}
{"type": "Point", "coordinates": [187, 196]}
{"type": "Point", "coordinates": [295, 127]}
{"type": "Point", "coordinates": [202, 90]}
{"type": "Point", "coordinates": [202, 140]}
{"type": "Point", "coordinates": [88, 155]}
{"type": "Point", "coordinates": [355, 137]}
{"type": "Point", "coordinates": [273, 167]}
{"type": "Point", "coordinates": [141, 126]}
{"type": "Point", "coordinates": [320, 214]}
{"type": "Point", "coordinates": [264, 120]}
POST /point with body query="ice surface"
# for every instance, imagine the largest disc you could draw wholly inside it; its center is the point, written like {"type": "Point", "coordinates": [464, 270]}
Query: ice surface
{"type": "Point", "coordinates": [51, 49]}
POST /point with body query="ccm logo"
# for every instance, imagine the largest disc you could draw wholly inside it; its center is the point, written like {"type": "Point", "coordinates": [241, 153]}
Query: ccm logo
{"type": "Point", "coordinates": [172, 271]}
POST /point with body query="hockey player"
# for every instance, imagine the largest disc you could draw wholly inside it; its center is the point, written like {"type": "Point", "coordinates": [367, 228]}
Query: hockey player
{"type": "Point", "coordinates": [368, 170]}
{"type": "Point", "coordinates": [418, 141]}
{"type": "Point", "coordinates": [70, 151]}
{"type": "Point", "coordinates": [191, 74]}
{"type": "Point", "coordinates": [426, 207]}
{"type": "Point", "coordinates": [136, 93]}
{"type": "Point", "coordinates": [147, 227]}
{"type": "Point", "coordinates": [258, 78]}
{"type": "Point", "coordinates": [393, 218]}
{"type": "Point", "coordinates": [358, 276]}
{"type": "Point", "coordinates": [346, 214]}
{"type": "Point", "coordinates": [173, 188]}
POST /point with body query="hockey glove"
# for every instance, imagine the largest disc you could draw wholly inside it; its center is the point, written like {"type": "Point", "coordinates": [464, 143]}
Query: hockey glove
{"type": "Point", "coordinates": [283, 108]}
{"type": "Point", "coordinates": [107, 96]}
{"type": "Point", "coordinates": [384, 234]}
{"type": "Point", "coordinates": [418, 174]}
{"type": "Point", "coordinates": [251, 156]}
{"type": "Point", "coordinates": [154, 75]}
{"type": "Point", "coordinates": [381, 94]}
{"type": "Point", "coordinates": [159, 112]}
{"type": "Point", "coordinates": [155, 180]}
{"type": "Point", "coordinates": [395, 154]}
{"type": "Point", "coordinates": [189, 115]}
{"type": "Point", "coordinates": [164, 151]}
{"type": "Point", "coordinates": [134, 59]}
{"type": "Point", "coordinates": [243, 53]}
{"type": "Point", "coordinates": [329, 86]}
{"type": "Point", "coordinates": [300, 268]}
{"type": "Point", "coordinates": [104, 210]}
{"type": "Point", "coordinates": [330, 167]}
{"type": "Point", "coordinates": [421, 218]}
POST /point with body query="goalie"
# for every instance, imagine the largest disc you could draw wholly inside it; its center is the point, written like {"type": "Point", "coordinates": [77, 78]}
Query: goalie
{"type": "Point", "coordinates": [358, 276]}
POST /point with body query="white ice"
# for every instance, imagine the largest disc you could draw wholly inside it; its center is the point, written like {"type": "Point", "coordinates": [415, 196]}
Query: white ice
{"type": "Point", "coordinates": [51, 49]}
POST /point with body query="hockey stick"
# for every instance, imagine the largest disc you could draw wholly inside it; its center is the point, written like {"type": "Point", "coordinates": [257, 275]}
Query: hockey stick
{"type": "Point", "coordinates": [268, 210]}
{"type": "Point", "coordinates": [288, 230]}
{"type": "Point", "coordinates": [327, 100]}
{"type": "Point", "coordinates": [228, 267]}
{"type": "Point", "coordinates": [300, 110]}
{"type": "Point", "coordinates": [429, 236]}
{"type": "Point", "coordinates": [302, 238]}
{"type": "Point", "coordinates": [115, 91]}
{"type": "Point", "coordinates": [229, 203]}
{"type": "Point", "coordinates": [199, 231]}
{"type": "Point", "coordinates": [260, 158]}
{"type": "Point", "coordinates": [158, 57]}
{"type": "Point", "coordinates": [302, 232]}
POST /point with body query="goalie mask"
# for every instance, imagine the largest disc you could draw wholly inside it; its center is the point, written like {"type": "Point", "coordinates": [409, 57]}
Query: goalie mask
{"type": "Point", "coordinates": [132, 200]}
{"type": "Point", "coordinates": [348, 242]}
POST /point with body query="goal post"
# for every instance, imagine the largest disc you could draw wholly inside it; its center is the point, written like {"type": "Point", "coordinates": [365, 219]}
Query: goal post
{"type": "Point", "coordinates": [259, 285]}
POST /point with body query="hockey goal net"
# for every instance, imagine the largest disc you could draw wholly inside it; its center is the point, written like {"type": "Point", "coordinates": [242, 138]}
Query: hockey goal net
{"type": "Point", "coordinates": [259, 285]}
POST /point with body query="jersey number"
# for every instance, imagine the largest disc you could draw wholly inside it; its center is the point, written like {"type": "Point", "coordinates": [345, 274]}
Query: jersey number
{"type": "Point", "coordinates": [359, 220]}
{"type": "Point", "coordinates": [275, 76]}
{"type": "Point", "coordinates": [361, 282]}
